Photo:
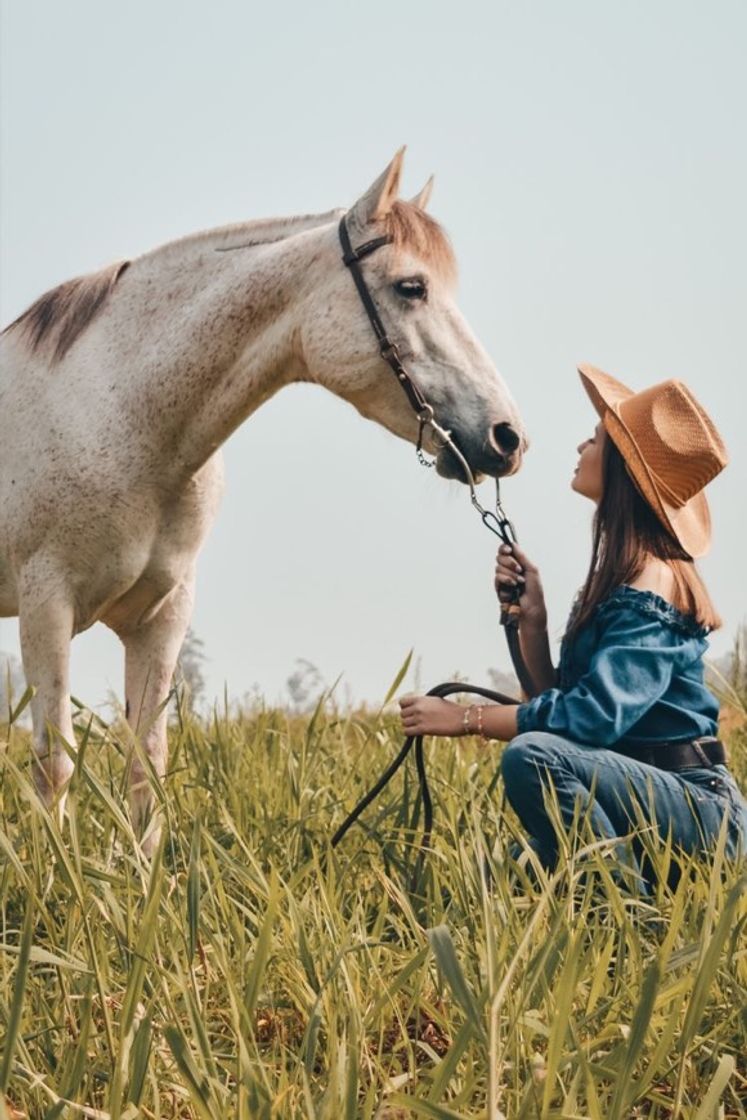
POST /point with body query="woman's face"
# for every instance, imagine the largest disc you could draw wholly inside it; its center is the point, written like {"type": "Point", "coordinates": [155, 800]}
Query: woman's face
{"type": "Point", "coordinates": [587, 477]}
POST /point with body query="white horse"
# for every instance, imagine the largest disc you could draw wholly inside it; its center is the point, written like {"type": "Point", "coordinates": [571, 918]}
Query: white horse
{"type": "Point", "coordinates": [118, 389]}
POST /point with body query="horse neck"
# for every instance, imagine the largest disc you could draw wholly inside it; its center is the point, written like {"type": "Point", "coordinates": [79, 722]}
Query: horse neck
{"type": "Point", "coordinates": [230, 343]}
{"type": "Point", "coordinates": [239, 235]}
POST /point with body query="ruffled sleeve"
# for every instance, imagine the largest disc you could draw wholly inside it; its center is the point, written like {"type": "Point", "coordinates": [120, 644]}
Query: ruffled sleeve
{"type": "Point", "coordinates": [641, 642]}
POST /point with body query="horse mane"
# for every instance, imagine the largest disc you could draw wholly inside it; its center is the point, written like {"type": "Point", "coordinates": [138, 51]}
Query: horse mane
{"type": "Point", "coordinates": [62, 314]}
{"type": "Point", "coordinates": [411, 228]}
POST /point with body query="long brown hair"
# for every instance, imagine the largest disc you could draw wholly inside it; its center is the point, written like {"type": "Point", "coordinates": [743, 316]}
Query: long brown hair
{"type": "Point", "coordinates": [626, 533]}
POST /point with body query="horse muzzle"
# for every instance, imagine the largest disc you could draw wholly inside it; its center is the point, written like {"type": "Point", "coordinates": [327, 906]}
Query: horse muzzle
{"type": "Point", "coordinates": [501, 454]}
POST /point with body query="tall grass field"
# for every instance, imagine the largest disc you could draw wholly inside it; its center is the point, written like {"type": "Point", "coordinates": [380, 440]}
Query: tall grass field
{"type": "Point", "coordinates": [249, 971]}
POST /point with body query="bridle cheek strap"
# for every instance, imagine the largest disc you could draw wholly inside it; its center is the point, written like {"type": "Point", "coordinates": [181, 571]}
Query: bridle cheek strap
{"type": "Point", "coordinates": [388, 349]}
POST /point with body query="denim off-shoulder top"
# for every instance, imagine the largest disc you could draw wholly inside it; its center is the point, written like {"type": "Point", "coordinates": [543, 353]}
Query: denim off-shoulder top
{"type": "Point", "coordinates": [633, 675]}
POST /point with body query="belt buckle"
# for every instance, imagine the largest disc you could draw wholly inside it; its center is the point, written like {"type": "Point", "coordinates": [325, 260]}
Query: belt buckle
{"type": "Point", "coordinates": [701, 754]}
{"type": "Point", "coordinates": [699, 745]}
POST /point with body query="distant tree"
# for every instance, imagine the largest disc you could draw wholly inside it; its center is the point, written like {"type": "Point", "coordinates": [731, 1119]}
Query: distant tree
{"type": "Point", "coordinates": [732, 666]}
{"type": "Point", "coordinates": [738, 667]}
{"type": "Point", "coordinates": [304, 685]}
{"type": "Point", "coordinates": [189, 669]}
{"type": "Point", "coordinates": [505, 682]}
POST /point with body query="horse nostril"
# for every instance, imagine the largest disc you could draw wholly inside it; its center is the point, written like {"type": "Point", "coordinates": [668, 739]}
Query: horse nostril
{"type": "Point", "coordinates": [505, 438]}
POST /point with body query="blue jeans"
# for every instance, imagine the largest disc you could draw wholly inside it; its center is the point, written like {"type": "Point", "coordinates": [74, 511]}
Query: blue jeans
{"type": "Point", "coordinates": [627, 794]}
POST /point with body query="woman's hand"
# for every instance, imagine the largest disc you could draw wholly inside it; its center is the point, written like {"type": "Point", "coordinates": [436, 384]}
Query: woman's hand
{"type": "Point", "coordinates": [429, 715]}
{"type": "Point", "coordinates": [513, 568]}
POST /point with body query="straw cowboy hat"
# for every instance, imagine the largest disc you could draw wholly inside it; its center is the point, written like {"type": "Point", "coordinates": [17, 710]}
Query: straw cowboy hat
{"type": "Point", "coordinates": [671, 450]}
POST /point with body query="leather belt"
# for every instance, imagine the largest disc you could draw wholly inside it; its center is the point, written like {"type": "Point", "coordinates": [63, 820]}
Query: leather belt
{"type": "Point", "coordinates": [706, 751]}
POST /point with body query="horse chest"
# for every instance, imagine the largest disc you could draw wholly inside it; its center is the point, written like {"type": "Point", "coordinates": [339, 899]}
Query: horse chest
{"type": "Point", "coordinates": [154, 563]}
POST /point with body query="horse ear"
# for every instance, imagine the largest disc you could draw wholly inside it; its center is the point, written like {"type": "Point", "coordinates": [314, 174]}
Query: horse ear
{"type": "Point", "coordinates": [422, 199]}
{"type": "Point", "coordinates": [378, 199]}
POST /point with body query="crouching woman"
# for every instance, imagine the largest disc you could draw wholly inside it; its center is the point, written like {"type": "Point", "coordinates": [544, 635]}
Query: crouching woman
{"type": "Point", "coordinates": [625, 729]}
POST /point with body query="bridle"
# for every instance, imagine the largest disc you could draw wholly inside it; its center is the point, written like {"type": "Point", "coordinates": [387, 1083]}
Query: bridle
{"type": "Point", "coordinates": [496, 521]}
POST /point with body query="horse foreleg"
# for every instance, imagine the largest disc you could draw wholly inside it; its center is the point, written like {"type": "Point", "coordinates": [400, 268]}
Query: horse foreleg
{"type": "Point", "coordinates": [151, 652]}
{"type": "Point", "coordinates": [46, 625]}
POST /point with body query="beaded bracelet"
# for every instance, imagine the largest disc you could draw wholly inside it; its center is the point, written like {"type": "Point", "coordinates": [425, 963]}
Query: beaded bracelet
{"type": "Point", "coordinates": [466, 719]}
{"type": "Point", "coordinates": [480, 730]}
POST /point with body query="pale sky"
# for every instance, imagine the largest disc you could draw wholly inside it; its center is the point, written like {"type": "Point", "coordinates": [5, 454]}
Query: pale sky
{"type": "Point", "coordinates": [592, 173]}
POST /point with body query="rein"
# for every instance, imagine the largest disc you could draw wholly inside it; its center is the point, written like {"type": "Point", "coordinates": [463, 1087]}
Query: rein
{"type": "Point", "coordinates": [496, 521]}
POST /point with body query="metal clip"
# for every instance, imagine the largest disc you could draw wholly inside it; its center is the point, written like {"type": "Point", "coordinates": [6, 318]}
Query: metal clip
{"type": "Point", "coordinates": [419, 446]}
{"type": "Point", "coordinates": [501, 526]}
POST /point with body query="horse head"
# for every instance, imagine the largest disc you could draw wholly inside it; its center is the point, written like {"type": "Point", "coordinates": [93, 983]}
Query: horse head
{"type": "Point", "coordinates": [411, 279]}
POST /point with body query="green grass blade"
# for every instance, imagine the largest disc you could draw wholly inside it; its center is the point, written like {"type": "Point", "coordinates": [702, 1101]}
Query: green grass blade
{"type": "Point", "coordinates": [624, 1094]}
{"type": "Point", "coordinates": [448, 961]}
{"type": "Point", "coordinates": [22, 704]}
{"type": "Point", "coordinates": [19, 989]}
{"type": "Point", "coordinates": [193, 889]}
{"type": "Point", "coordinates": [419, 1107]}
{"type": "Point", "coordinates": [199, 1089]}
{"type": "Point", "coordinates": [262, 950]}
{"type": "Point", "coordinates": [401, 674]}
{"type": "Point", "coordinates": [139, 1059]}
{"type": "Point", "coordinates": [710, 964]}
{"type": "Point", "coordinates": [708, 1108]}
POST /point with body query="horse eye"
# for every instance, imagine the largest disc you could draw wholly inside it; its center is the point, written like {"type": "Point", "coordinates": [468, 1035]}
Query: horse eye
{"type": "Point", "coordinates": [412, 288]}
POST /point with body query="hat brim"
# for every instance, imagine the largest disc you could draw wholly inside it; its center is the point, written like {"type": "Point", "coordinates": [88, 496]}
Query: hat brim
{"type": "Point", "coordinates": [604, 390]}
{"type": "Point", "coordinates": [690, 524]}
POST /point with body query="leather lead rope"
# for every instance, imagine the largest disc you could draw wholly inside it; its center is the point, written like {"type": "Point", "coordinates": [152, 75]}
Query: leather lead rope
{"type": "Point", "coordinates": [497, 522]}
{"type": "Point", "coordinates": [449, 688]}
